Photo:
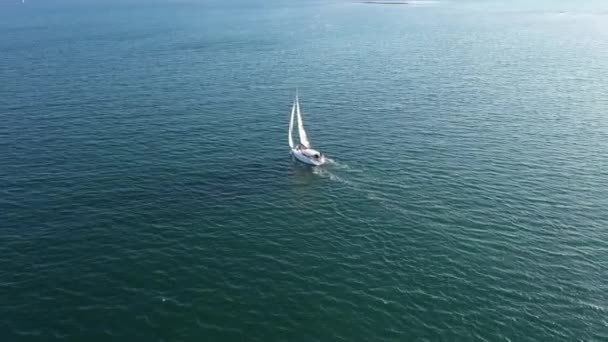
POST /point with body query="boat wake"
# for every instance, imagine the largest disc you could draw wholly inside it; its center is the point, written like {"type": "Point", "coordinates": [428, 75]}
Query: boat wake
{"type": "Point", "coordinates": [355, 180]}
{"type": "Point", "coordinates": [334, 164]}
{"type": "Point", "coordinates": [337, 171]}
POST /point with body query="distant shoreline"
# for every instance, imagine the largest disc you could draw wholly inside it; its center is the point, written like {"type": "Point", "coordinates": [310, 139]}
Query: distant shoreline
{"type": "Point", "coordinates": [386, 2]}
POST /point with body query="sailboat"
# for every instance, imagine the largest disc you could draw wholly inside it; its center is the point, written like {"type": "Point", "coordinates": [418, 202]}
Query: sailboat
{"type": "Point", "coordinates": [302, 151]}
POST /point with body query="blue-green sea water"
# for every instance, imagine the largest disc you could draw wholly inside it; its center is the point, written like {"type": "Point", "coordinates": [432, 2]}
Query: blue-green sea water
{"type": "Point", "coordinates": [147, 192]}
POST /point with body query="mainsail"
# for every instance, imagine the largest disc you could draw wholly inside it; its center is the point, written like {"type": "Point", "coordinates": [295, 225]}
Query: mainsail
{"type": "Point", "coordinates": [293, 111]}
{"type": "Point", "coordinates": [303, 137]}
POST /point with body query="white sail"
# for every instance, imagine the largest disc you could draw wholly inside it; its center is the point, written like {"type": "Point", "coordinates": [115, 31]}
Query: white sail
{"type": "Point", "coordinates": [303, 137]}
{"type": "Point", "coordinates": [293, 111]}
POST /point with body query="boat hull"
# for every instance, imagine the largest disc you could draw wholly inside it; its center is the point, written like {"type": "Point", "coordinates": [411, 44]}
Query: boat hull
{"type": "Point", "coordinates": [306, 160]}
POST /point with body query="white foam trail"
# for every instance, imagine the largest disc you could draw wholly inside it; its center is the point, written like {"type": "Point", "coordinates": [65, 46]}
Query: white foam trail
{"type": "Point", "coordinates": [328, 172]}
{"type": "Point", "coordinates": [341, 166]}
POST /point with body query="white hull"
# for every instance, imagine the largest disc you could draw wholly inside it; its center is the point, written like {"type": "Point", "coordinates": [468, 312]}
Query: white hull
{"type": "Point", "coordinates": [299, 155]}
